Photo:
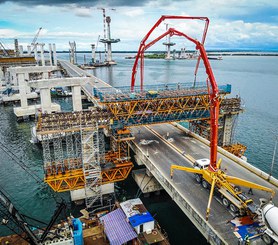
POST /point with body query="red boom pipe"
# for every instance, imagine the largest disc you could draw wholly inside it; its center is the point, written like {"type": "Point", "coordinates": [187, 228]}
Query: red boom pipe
{"type": "Point", "coordinates": [213, 92]}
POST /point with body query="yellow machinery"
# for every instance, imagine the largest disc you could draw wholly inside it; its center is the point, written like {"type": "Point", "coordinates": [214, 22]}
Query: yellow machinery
{"type": "Point", "coordinates": [227, 186]}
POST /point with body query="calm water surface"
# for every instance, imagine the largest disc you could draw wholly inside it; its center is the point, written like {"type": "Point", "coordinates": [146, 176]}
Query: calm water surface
{"type": "Point", "coordinates": [255, 79]}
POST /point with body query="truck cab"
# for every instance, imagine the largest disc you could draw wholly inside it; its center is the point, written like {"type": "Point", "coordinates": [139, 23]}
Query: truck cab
{"type": "Point", "coordinates": [201, 163]}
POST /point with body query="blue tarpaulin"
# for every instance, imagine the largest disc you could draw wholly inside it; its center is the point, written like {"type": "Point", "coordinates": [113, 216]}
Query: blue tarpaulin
{"type": "Point", "coordinates": [139, 219]}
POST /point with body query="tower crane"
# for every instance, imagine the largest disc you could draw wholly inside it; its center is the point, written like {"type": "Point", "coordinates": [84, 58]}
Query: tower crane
{"type": "Point", "coordinates": [34, 42]}
{"type": "Point", "coordinates": [104, 27]}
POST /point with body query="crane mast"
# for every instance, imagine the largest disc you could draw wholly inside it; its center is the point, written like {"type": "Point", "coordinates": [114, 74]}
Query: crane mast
{"type": "Point", "coordinates": [105, 29]}
{"type": "Point", "coordinates": [18, 218]}
{"type": "Point", "coordinates": [21, 222]}
{"type": "Point", "coordinates": [34, 42]}
{"type": "Point", "coordinates": [5, 52]}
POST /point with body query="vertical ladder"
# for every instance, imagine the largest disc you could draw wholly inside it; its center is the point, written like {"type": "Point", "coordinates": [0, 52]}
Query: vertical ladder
{"type": "Point", "coordinates": [91, 166]}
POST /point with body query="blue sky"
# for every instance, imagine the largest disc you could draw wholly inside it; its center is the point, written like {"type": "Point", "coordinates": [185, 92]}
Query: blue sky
{"type": "Point", "coordinates": [234, 24]}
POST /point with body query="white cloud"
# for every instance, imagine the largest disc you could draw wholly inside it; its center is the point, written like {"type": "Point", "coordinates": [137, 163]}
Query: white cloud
{"type": "Point", "coordinates": [83, 12]}
{"type": "Point", "coordinates": [228, 25]}
{"type": "Point", "coordinates": [134, 12]}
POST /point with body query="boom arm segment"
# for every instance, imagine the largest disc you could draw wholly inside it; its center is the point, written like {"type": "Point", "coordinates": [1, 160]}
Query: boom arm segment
{"type": "Point", "coordinates": [22, 223]}
{"type": "Point", "coordinates": [242, 182]}
{"type": "Point", "coordinates": [18, 218]}
{"type": "Point", "coordinates": [213, 91]}
{"type": "Point", "coordinates": [141, 49]}
{"type": "Point", "coordinates": [190, 170]}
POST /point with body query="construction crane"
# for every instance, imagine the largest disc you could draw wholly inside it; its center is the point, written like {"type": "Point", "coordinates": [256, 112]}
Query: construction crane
{"type": "Point", "coordinates": [143, 45]}
{"type": "Point", "coordinates": [104, 27]}
{"type": "Point", "coordinates": [9, 213]}
{"type": "Point", "coordinates": [5, 52]}
{"type": "Point", "coordinates": [210, 175]}
{"type": "Point", "coordinates": [95, 50]}
{"type": "Point", "coordinates": [34, 42]}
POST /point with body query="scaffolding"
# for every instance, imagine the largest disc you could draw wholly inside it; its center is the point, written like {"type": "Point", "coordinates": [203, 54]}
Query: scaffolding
{"type": "Point", "coordinates": [91, 166]}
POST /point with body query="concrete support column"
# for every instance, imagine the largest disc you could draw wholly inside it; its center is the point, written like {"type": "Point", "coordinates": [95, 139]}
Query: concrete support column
{"type": "Point", "coordinates": [22, 89]}
{"type": "Point", "coordinates": [54, 54]}
{"type": "Point", "coordinates": [36, 53]}
{"type": "Point", "coordinates": [26, 77]}
{"type": "Point", "coordinates": [50, 54]}
{"type": "Point", "coordinates": [76, 98]}
{"type": "Point", "coordinates": [109, 52]}
{"type": "Point", "coordinates": [228, 129]}
{"type": "Point", "coordinates": [2, 76]}
{"type": "Point", "coordinates": [28, 49]}
{"type": "Point", "coordinates": [93, 52]}
{"type": "Point", "coordinates": [45, 100]}
{"type": "Point", "coordinates": [20, 49]}
{"type": "Point", "coordinates": [42, 54]}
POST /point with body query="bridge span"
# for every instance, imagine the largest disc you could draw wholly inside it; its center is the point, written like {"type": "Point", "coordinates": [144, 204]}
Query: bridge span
{"type": "Point", "coordinates": [182, 148]}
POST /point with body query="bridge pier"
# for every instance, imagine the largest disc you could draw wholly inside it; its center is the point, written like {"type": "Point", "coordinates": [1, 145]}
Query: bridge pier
{"type": "Point", "coordinates": [76, 98]}
{"type": "Point", "coordinates": [22, 89]}
{"type": "Point", "coordinates": [45, 100]}
{"type": "Point", "coordinates": [228, 129]}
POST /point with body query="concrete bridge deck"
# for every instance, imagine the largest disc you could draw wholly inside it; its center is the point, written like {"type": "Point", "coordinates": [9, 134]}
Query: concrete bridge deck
{"type": "Point", "coordinates": [191, 197]}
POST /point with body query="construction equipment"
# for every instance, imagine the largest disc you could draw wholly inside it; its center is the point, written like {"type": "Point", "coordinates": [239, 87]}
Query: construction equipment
{"type": "Point", "coordinates": [17, 222]}
{"type": "Point", "coordinates": [268, 216]}
{"type": "Point", "coordinates": [226, 186]}
{"type": "Point", "coordinates": [211, 175]}
{"type": "Point", "coordinates": [144, 46]}
{"type": "Point", "coordinates": [104, 29]}
{"type": "Point", "coordinates": [5, 52]}
{"type": "Point", "coordinates": [34, 42]}
{"type": "Point", "coordinates": [94, 50]}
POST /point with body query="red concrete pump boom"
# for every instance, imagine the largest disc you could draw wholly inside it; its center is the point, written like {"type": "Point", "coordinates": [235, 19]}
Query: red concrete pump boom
{"type": "Point", "coordinates": [140, 53]}
{"type": "Point", "coordinates": [212, 85]}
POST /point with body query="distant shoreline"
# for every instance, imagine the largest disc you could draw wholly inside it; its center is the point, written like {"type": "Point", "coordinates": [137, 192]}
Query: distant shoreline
{"type": "Point", "coordinates": [211, 53]}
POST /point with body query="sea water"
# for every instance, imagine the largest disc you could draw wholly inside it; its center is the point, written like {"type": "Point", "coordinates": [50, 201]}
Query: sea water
{"type": "Point", "coordinates": [253, 78]}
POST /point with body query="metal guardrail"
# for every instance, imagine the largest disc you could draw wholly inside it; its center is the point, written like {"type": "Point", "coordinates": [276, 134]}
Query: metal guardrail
{"type": "Point", "coordinates": [124, 93]}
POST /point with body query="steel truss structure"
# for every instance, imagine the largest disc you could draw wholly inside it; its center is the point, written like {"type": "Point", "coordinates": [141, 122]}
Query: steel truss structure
{"type": "Point", "coordinates": [157, 106]}
{"type": "Point", "coordinates": [62, 132]}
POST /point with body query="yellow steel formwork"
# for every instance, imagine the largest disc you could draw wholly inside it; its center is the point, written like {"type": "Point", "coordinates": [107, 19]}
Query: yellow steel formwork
{"type": "Point", "coordinates": [74, 179]}
{"type": "Point", "coordinates": [70, 180]}
{"type": "Point", "coordinates": [125, 110]}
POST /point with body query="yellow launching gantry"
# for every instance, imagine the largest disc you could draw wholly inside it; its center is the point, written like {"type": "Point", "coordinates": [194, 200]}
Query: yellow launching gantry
{"type": "Point", "coordinates": [227, 186]}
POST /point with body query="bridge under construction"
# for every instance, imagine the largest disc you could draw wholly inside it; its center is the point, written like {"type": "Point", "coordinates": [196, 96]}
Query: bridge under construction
{"type": "Point", "coordinates": [87, 151]}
